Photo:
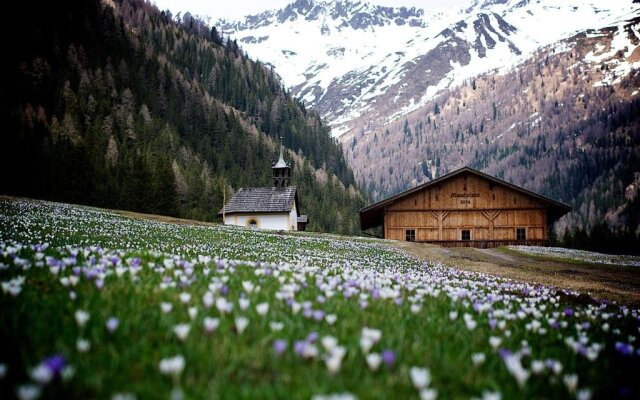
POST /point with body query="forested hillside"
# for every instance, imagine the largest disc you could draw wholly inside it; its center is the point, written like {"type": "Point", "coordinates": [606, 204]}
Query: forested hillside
{"type": "Point", "coordinates": [566, 124]}
{"type": "Point", "coordinates": [119, 105]}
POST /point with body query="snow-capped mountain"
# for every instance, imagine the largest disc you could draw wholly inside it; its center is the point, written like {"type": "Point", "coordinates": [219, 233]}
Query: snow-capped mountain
{"type": "Point", "coordinates": [350, 59]}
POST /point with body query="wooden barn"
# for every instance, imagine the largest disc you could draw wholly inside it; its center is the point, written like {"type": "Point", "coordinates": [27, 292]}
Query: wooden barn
{"type": "Point", "coordinates": [466, 208]}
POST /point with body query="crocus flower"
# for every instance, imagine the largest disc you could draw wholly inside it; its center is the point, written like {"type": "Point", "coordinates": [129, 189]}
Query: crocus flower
{"type": "Point", "coordinates": [210, 324]}
{"type": "Point", "coordinates": [279, 346]}
{"type": "Point", "coordinates": [420, 377]}
{"type": "Point", "coordinates": [28, 392]}
{"type": "Point", "coordinates": [262, 309]}
{"type": "Point", "coordinates": [41, 374]}
{"type": "Point", "coordinates": [389, 358]}
{"type": "Point", "coordinates": [172, 366]}
{"type": "Point", "coordinates": [185, 297]}
{"type": "Point", "coordinates": [373, 361]}
{"type": "Point", "coordinates": [83, 345]}
{"type": "Point", "coordinates": [82, 317]}
{"type": "Point", "coordinates": [428, 394]}
{"type": "Point", "coordinates": [478, 358]}
{"type": "Point", "coordinates": [182, 331]}
{"type": "Point", "coordinates": [571, 382]}
{"type": "Point", "coordinates": [55, 364]}
{"type": "Point", "coordinates": [166, 307]}
{"type": "Point", "coordinates": [112, 324]}
{"type": "Point", "coordinates": [241, 324]}
{"type": "Point", "coordinates": [329, 343]}
{"type": "Point", "coordinates": [276, 326]}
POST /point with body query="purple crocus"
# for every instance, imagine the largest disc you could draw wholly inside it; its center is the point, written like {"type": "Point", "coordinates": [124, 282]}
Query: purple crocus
{"type": "Point", "coordinates": [389, 357]}
{"type": "Point", "coordinates": [299, 346]}
{"type": "Point", "coordinates": [504, 353]}
{"type": "Point", "coordinates": [279, 346]}
{"type": "Point", "coordinates": [624, 348]}
{"type": "Point", "coordinates": [55, 364]}
{"type": "Point", "coordinates": [568, 312]}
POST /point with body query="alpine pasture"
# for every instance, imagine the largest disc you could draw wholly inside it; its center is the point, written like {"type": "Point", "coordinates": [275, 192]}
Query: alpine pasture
{"type": "Point", "coordinates": [98, 305]}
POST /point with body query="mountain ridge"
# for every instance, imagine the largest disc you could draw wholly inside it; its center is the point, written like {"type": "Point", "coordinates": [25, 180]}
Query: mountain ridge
{"type": "Point", "coordinates": [343, 78]}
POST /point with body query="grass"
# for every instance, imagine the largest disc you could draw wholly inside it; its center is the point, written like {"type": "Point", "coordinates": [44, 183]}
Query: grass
{"type": "Point", "coordinates": [128, 267]}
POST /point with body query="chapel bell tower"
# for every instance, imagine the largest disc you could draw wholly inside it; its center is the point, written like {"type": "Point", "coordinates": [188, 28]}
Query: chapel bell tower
{"type": "Point", "coordinates": [281, 171]}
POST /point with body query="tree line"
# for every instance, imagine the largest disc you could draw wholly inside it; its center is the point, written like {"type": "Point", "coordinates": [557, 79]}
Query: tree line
{"type": "Point", "coordinates": [120, 105]}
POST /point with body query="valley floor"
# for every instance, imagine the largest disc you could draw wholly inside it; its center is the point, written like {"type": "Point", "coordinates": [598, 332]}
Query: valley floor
{"type": "Point", "coordinates": [620, 283]}
{"type": "Point", "coordinates": [108, 304]}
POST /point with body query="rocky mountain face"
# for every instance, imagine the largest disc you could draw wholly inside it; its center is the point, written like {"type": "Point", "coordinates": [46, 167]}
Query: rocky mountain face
{"type": "Point", "coordinates": [564, 123]}
{"type": "Point", "coordinates": [353, 61]}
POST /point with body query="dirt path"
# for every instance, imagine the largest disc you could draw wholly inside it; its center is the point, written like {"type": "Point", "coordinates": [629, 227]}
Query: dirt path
{"type": "Point", "coordinates": [618, 283]}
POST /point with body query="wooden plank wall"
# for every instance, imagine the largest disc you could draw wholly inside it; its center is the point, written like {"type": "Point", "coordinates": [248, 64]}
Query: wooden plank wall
{"type": "Point", "coordinates": [490, 211]}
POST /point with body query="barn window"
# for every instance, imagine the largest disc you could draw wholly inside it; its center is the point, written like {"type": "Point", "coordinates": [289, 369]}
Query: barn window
{"type": "Point", "coordinates": [521, 234]}
{"type": "Point", "coordinates": [466, 234]}
{"type": "Point", "coordinates": [252, 223]}
{"type": "Point", "coordinates": [410, 235]}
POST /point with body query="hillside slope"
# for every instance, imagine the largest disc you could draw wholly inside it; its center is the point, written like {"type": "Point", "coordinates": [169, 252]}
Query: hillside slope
{"type": "Point", "coordinates": [116, 104]}
{"type": "Point", "coordinates": [375, 62]}
{"type": "Point", "coordinates": [566, 123]}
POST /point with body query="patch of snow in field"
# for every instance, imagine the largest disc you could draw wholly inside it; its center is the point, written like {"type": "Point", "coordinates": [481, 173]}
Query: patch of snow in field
{"type": "Point", "coordinates": [579, 255]}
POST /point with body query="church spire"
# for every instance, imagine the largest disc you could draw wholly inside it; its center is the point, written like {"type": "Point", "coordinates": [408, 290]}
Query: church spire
{"type": "Point", "coordinates": [281, 170]}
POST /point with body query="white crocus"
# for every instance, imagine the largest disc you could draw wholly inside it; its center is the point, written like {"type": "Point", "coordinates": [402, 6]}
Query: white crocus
{"type": "Point", "coordinates": [248, 286]}
{"type": "Point", "coordinates": [82, 317]}
{"type": "Point", "coordinates": [420, 377]}
{"type": "Point", "coordinates": [276, 326]}
{"type": "Point", "coordinates": [571, 382]}
{"type": "Point", "coordinates": [373, 361]}
{"type": "Point", "coordinates": [428, 394]}
{"type": "Point", "coordinates": [182, 331]}
{"type": "Point", "coordinates": [28, 392]}
{"type": "Point", "coordinates": [241, 324]}
{"type": "Point", "coordinates": [166, 307]}
{"type": "Point", "coordinates": [210, 324]}
{"type": "Point", "coordinates": [478, 358]}
{"type": "Point", "coordinates": [262, 309]}
{"type": "Point", "coordinates": [185, 297]}
{"type": "Point", "coordinates": [329, 343]}
{"type": "Point", "coordinates": [172, 366]}
{"type": "Point", "coordinates": [83, 345]}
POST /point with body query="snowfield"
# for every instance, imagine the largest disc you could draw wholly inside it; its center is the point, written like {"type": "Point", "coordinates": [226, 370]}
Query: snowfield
{"type": "Point", "coordinates": [579, 255]}
{"type": "Point", "coordinates": [343, 57]}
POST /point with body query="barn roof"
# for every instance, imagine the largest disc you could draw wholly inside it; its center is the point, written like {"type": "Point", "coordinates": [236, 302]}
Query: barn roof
{"type": "Point", "coordinates": [373, 215]}
{"type": "Point", "coordinates": [262, 200]}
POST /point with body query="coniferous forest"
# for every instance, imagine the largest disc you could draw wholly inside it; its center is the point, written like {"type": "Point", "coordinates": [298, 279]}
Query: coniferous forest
{"type": "Point", "coordinates": [120, 105]}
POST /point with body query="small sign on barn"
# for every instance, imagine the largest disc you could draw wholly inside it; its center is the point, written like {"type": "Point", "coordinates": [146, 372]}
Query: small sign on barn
{"type": "Point", "coordinates": [466, 208]}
